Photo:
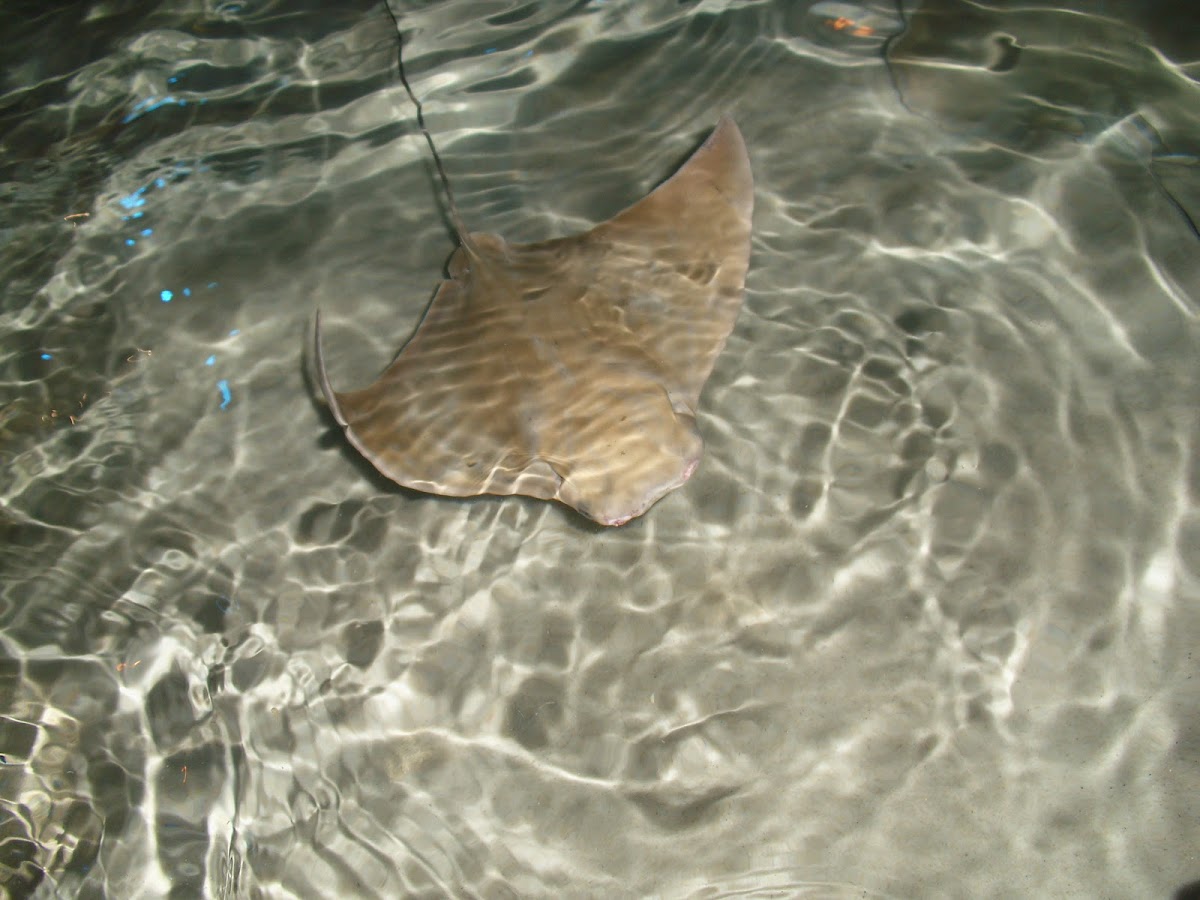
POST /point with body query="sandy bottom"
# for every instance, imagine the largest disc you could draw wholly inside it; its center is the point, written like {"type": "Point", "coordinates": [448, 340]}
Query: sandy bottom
{"type": "Point", "coordinates": [923, 622]}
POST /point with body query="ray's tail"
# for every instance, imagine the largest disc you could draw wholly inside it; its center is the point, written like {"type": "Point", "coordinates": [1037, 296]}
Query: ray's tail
{"type": "Point", "coordinates": [464, 236]}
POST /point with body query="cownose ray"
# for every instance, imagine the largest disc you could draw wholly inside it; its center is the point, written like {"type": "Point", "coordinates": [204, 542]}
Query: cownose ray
{"type": "Point", "coordinates": [569, 369]}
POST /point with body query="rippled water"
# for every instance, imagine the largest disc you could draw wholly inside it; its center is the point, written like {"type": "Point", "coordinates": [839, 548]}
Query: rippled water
{"type": "Point", "coordinates": [922, 625]}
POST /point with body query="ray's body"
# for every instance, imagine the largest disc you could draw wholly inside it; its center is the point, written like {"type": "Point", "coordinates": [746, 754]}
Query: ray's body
{"type": "Point", "coordinates": [569, 369]}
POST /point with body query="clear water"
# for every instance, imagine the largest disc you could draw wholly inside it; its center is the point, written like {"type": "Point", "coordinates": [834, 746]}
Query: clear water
{"type": "Point", "coordinates": [924, 624]}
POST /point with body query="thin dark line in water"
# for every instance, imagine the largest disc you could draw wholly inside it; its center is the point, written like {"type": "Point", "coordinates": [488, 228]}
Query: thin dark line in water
{"type": "Point", "coordinates": [885, 53]}
{"type": "Point", "coordinates": [456, 220]}
{"type": "Point", "coordinates": [1179, 207]}
{"type": "Point", "coordinates": [1159, 150]}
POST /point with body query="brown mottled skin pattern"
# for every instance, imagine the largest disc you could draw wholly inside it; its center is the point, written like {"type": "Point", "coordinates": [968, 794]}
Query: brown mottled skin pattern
{"type": "Point", "coordinates": [570, 369]}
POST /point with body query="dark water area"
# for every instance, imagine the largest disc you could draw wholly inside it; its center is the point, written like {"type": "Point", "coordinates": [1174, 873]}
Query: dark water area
{"type": "Point", "coordinates": [923, 622]}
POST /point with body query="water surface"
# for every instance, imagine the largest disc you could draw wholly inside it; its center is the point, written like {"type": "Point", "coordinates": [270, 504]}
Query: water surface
{"type": "Point", "coordinates": [922, 625]}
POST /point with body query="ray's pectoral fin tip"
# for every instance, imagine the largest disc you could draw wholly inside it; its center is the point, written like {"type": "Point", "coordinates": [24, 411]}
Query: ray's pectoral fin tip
{"type": "Point", "coordinates": [586, 421]}
{"type": "Point", "coordinates": [322, 376]}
